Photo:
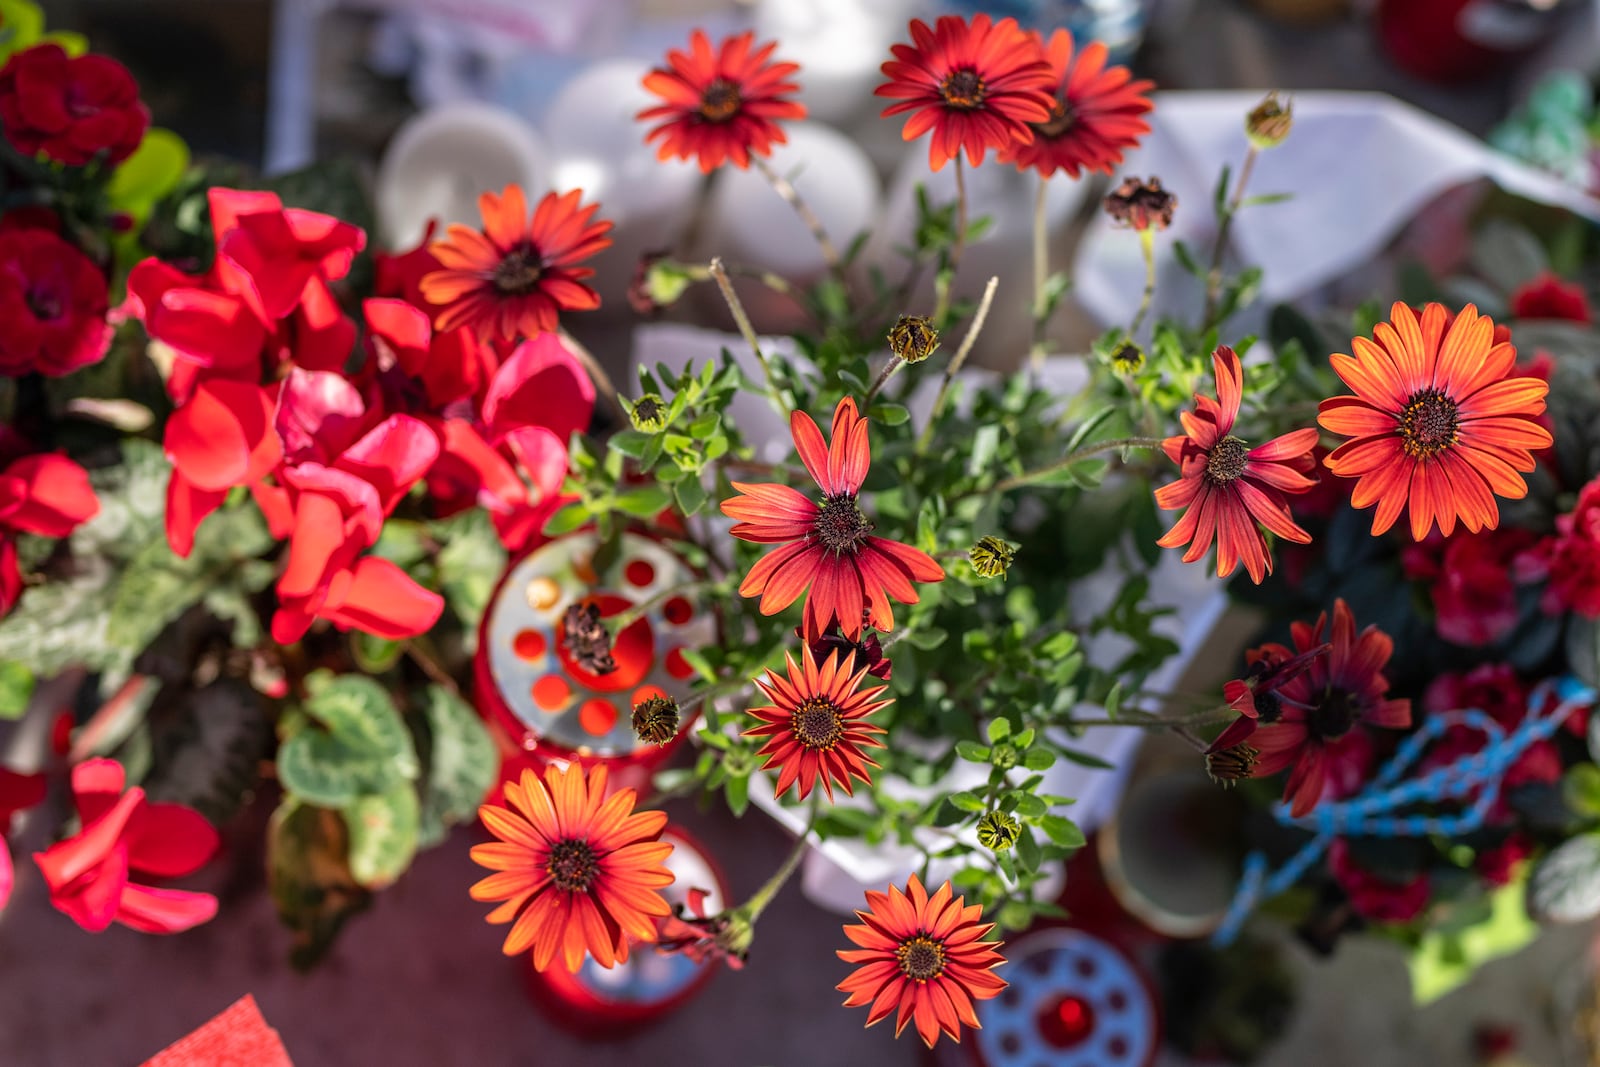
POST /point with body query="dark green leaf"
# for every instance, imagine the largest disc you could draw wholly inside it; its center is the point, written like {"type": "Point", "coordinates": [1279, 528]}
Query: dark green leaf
{"type": "Point", "coordinates": [383, 831]}
{"type": "Point", "coordinates": [1565, 884]}
{"type": "Point", "coordinates": [972, 752]}
{"type": "Point", "coordinates": [462, 763]}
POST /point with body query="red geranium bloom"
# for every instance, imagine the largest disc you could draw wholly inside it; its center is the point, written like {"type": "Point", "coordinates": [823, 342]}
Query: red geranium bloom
{"type": "Point", "coordinates": [1570, 559]}
{"type": "Point", "coordinates": [512, 279]}
{"type": "Point", "coordinates": [579, 871]}
{"type": "Point", "coordinates": [816, 728]}
{"type": "Point", "coordinates": [1470, 575]}
{"type": "Point", "coordinates": [1373, 897]}
{"type": "Point", "coordinates": [47, 495]}
{"type": "Point", "coordinates": [977, 86]}
{"type": "Point", "coordinates": [90, 874]}
{"type": "Point", "coordinates": [1093, 117]}
{"type": "Point", "coordinates": [70, 109]}
{"type": "Point", "coordinates": [52, 306]}
{"type": "Point", "coordinates": [1230, 489]}
{"type": "Point", "coordinates": [722, 103]}
{"type": "Point", "coordinates": [1548, 297]}
{"type": "Point", "coordinates": [1318, 709]}
{"type": "Point", "coordinates": [1436, 421]}
{"type": "Point", "coordinates": [828, 547]}
{"type": "Point", "coordinates": [923, 956]}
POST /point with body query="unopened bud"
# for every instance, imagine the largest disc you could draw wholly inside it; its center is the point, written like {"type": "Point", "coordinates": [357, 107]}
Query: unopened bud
{"type": "Point", "coordinates": [1270, 122]}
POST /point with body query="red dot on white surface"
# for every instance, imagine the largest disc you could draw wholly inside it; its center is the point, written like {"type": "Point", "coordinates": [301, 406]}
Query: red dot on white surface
{"type": "Point", "coordinates": [552, 693]}
{"type": "Point", "coordinates": [640, 573]}
{"type": "Point", "coordinates": [1066, 1021]}
{"type": "Point", "coordinates": [677, 611]}
{"type": "Point", "coordinates": [597, 716]}
{"type": "Point", "coordinates": [529, 644]}
{"type": "Point", "coordinates": [677, 666]}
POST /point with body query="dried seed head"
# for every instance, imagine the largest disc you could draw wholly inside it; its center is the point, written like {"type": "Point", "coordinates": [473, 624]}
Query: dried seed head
{"type": "Point", "coordinates": [913, 338]}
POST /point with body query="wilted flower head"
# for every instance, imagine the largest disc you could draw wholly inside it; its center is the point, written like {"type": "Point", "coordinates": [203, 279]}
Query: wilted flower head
{"type": "Point", "coordinates": [1269, 122]}
{"type": "Point", "coordinates": [656, 719]}
{"type": "Point", "coordinates": [702, 937]}
{"type": "Point", "coordinates": [586, 638]}
{"type": "Point", "coordinates": [1141, 205]}
{"type": "Point", "coordinates": [913, 338]}
{"type": "Point", "coordinates": [1230, 765]}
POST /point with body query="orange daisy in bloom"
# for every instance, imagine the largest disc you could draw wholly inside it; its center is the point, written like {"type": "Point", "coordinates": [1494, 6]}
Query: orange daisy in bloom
{"type": "Point", "coordinates": [722, 103]}
{"type": "Point", "coordinates": [1231, 489]}
{"type": "Point", "coordinates": [579, 871]}
{"type": "Point", "coordinates": [1437, 421]}
{"type": "Point", "coordinates": [923, 956]}
{"type": "Point", "coordinates": [977, 86]}
{"type": "Point", "coordinates": [515, 277]}
{"type": "Point", "coordinates": [827, 547]}
{"type": "Point", "coordinates": [816, 725]}
{"type": "Point", "coordinates": [1094, 116]}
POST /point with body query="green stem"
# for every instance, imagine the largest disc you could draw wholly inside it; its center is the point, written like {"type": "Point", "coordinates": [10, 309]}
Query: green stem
{"type": "Point", "coordinates": [1147, 246]}
{"type": "Point", "coordinates": [1041, 276]}
{"type": "Point", "coordinates": [742, 320]}
{"type": "Point", "coordinates": [883, 378]}
{"type": "Point", "coordinates": [947, 276]}
{"type": "Point", "coordinates": [758, 902]}
{"type": "Point", "coordinates": [924, 438]}
{"type": "Point", "coordinates": [1224, 224]}
{"type": "Point", "coordinates": [776, 282]}
{"type": "Point", "coordinates": [1029, 477]}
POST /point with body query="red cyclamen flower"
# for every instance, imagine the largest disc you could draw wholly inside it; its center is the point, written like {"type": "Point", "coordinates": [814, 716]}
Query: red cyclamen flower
{"type": "Point", "coordinates": [70, 109]}
{"type": "Point", "coordinates": [47, 495]}
{"type": "Point", "coordinates": [52, 306]}
{"type": "Point", "coordinates": [1570, 559]}
{"type": "Point", "coordinates": [976, 85]}
{"type": "Point", "coordinates": [923, 959]}
{"type": "Point", "coordinates": [828, 547]}
{"type": "Point", "coordinates": [90, 874]}
{"type": "Point", "coordinates": [816, 728]}
{"type": "Point", "coordinates": [1094, 115]}
{"type": "Point", "coordinates": [1548, 297]}
{"type": "Point", "coordinates": [1318, 710]}
{"type": "Point", "coordinates": [723, 103]}
{"type": "Point", "coordinates": [1230, 489]}
{"type": "Point", "coordinates": [513, 279]}
{"type": "Point", "coordinates": [1471, 584]}
{"type": "Point", "coordinates": [1374, 897]}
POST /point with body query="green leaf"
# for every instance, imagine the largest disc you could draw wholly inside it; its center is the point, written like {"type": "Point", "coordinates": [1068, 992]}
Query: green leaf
{"type": "Point", "coordinates": [470, 563]}
{"type": "Point", "coordinates": [1262, 199]}
{"type": "Point", "coordinates": [738, 793]}
{"type": "Point", "coordinates": [462, 763]}
{"type": "Point", "coordinates": [967, 802]}
{"type": "Point", "coordinates": [972, 752]}
{"type": "Point", "coordinates": [1565, 884]}
{"type": "Point", "coordinates": [645, 502]}
{"type": "Point", "coordinates": [630, 443]}
{"type": "Point", "coordinates": [1081, 435]}
{"type": "Point", "coordinates": [16, 688]}
{"type": "Point", "coordinates": [1113, 702]}
{"type": "Point", "coordinates": [1062, 830]}
{"type": "Point", "coordinates": [698, 661]}
{"type": "Point", "coordinates": [374, 655]}
{"type": "Point", "coordinates": [327, 771]}
{"type": "Point", "coordinates": [690, 495]}
{"type": "Point", "coordinates": [365, 749]}
{"type": "Point", "coordinates": [383, 830]}
{"type": "Point", "coordinates": [1038, 759]}
{"type": "Point", "coordinates": [1186, 260]}
{"type": "Point", "coordinates": [566, 520]}
{"type": "Point", "coordinates": [999, 730]}
{"type": "Point", "coordinates": [1443, 961]}
{"type": "Point", "coordinates": [889, 414]}
{"type": "Point", "coordinates": [1580, 788]}
{"type": "Point", "coordinates": [308, 871]}
{"type": "Point", "coordinates": [1031, 806]}
{"type": "Point", "coordinates": [985, 443]}
{"type": "Point", "coordinates": [151, 172]}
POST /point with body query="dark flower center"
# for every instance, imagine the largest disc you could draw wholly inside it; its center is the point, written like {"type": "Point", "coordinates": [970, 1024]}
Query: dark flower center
{"type": "Point", "coordinates": [518, 273]}
{"type": "Point", "coordinates": [818, 724]}
{"type": "Point", "coordinates": [1269, 706]}
{"type": "Point", "coordinates": [921, 958]}
{"type": "Point", "coordinates": [841, 525]}
{"type": "Point", "coordinates": [44, 305]}
{"type": "Point", "coordinates": [720, 102]}
{"type": "Point", "coordinates": [1335, 715]}
{"type": "Point", "coordinates": [1062, 118]}
{"type": "Point", "coordinates": [1227, 460]}
{"type": "Point", "coordinates": [1429, 424]}
{"type": "Point", "coordinates": [963, 89]}
{"type": "Point", "coordinates": [572, 866]}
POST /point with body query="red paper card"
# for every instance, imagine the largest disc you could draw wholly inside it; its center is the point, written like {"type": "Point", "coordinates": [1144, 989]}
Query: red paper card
{"type": "Point", "coordinates": [239, 1037]}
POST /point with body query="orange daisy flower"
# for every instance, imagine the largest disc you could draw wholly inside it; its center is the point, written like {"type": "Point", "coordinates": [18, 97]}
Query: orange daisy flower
{"type": "Point", "coordinates": [1094, 116]}
{"type": "Point", "coordinates": [723, 103]}
{"type": "Point", "coordinates": [923, 956]}
{"type": "Point", "coordinates": [816, 725]}
{"type": "Point", "coordinates": [1231, 489]}
{"type": "Point", "coordinates": [1437, 421]}
{"type": "Point", "coordinates": [515, 277]}
{"type": "Point", "coordinates": [977, 86]}
{"type": "Point", "coordinates": [579, 871]}
{"type": "Point", "coordinates": [827, 547]}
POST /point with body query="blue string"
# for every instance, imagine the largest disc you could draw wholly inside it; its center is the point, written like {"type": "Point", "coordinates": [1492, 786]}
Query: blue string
{"type": "Point", "coordinates": [1377, 811]}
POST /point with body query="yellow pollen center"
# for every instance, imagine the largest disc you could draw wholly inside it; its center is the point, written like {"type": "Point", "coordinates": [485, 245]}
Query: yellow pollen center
{"type": "Point", "coordinates": [720, 102]}
{"type": "Point", "coordinates": [963, 89]}
{"type": "Point", "coordinates": [1429, 424]}
{"type": "Point", "coordinates": [921, 958]}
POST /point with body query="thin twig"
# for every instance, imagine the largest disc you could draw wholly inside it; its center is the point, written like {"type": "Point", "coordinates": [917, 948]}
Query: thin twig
{"type": "Point", "coordinates": [785, 188]}
{"type": "Point", "coordinates": [955, 364]}
{"type": "Point", "coordinates": [625, 619]}
{"type": "Point", "coordinates": [602, 380]}
{"type": "Point", "coordinates": [1041, 275]}
{"type": "Point", "coordinates": [1214, 275]}
{"type": "Point", "coordinates": [720, 273]}
{"type": "Point", "coordinates": [1029, 477]}
{"type": "Point", "coordinates": [883, 378]}
{"type": "Point", "coordinates": [430, 666]}
{"type": "Point", "coordinates": [945, 280]}
{"type": "Point", "coordinates": [1147, 247]}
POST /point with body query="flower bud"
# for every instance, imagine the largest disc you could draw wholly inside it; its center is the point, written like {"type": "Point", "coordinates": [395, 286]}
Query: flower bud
{"type": "Point", "coordinates": [1004, 756]}
{"type": "Point", "coordinates": [656, 720]}
{"type": "Point", "coordinates": [1141, 205]}
{"type": "Point", "coordinates": [991, 557]}
{"type": "Point", "coordinates": [657, 283]}
{"type": "Point", "coordinates": [648, 414]}
{"type": "Point", "coordinates": [1128, 359]}
{"type": "Point", "coordinates": [913, 338]}
{"type": "Point", "coordinates": [997, 831]}
{"type": "Point", "coordinates": [1269, 123]}
{"type": "Point", "coordinates": [1232, 764]}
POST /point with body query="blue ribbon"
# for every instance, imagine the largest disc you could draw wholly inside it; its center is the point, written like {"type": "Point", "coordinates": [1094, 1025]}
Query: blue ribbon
{"type": "Point", "coordinates": [1377, 811]}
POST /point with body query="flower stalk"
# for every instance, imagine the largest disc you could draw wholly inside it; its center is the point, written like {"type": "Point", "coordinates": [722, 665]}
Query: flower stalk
{"type": "Point", "coordinates": [924, 438]}
{"type": "Point", "coordinates": [747, 331]}
{"type": "Point", "coordinates": [1075, 456]}
{"type": "Point", "coordinates": [785, 188]}
{"type": "Point", "coordinates": [947, 274]}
